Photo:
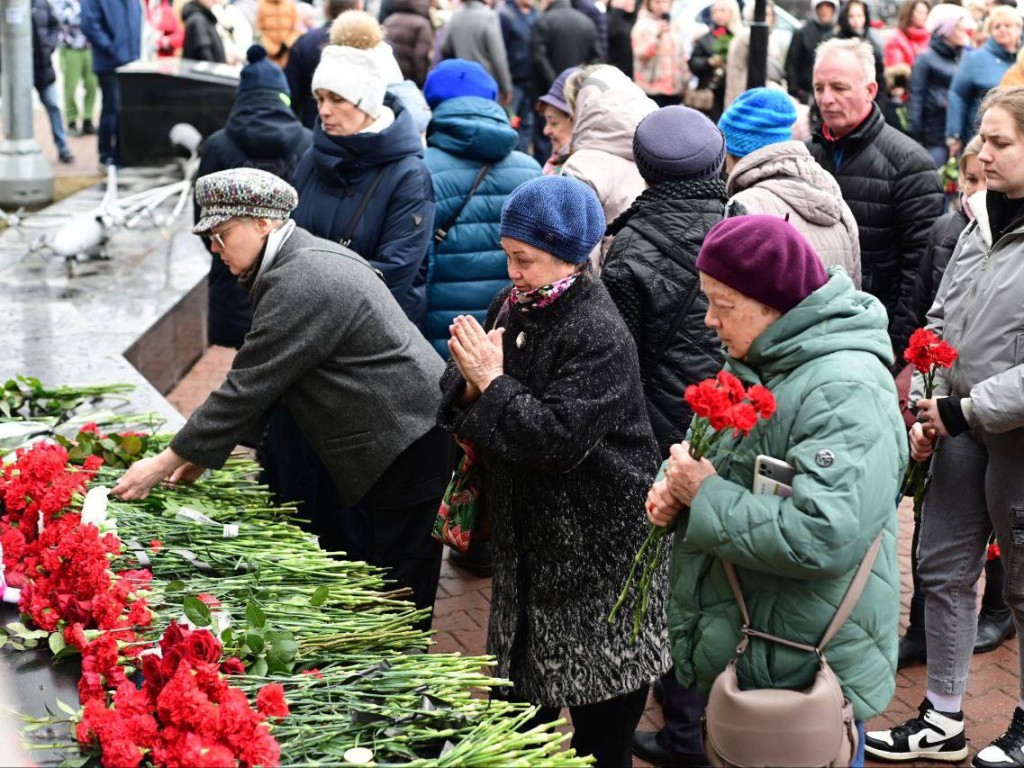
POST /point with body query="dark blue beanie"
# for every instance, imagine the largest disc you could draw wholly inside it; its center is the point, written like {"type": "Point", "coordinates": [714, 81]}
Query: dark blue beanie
{"type": "Point", "coordinates": [260, 72]}
{"type": "Point", "coordinates": [558, 214]}
{"type": "Point", "coordinates": [758, 117]}
{"type": "Point", "coordinates": [678, 144]}
{"type": "Point", "coordinates": [457, 77]}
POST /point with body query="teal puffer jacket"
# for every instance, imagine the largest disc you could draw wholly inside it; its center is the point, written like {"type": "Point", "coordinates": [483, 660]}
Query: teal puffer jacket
{"type": "Point", "coordinates": [838, 424]}
{"type": "Point", "coordinates": [468, 269]}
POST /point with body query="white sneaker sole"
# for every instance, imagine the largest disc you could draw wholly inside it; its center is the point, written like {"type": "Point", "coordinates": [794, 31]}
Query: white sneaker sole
{"type": "Point", "coordinates": [944, 757]}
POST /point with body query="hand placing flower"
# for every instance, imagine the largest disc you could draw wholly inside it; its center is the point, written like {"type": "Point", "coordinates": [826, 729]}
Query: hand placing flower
{"type": "Point", "coordinates": [145, 474]}
{"type": "Point", "coordinates": [477, 353]}
{"type": "Point", "coordinates": [684, 473]}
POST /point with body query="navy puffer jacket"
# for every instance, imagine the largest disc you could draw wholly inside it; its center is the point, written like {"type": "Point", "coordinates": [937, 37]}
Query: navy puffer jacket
{"type": "Point", "coordinates": [393, 232]}
{"type": "Point", "coordinates": [929, 91]}
{"type": "Point", "coordinates": [468, 268]}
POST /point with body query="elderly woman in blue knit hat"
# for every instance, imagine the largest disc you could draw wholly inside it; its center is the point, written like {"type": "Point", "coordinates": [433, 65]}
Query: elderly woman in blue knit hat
{"type": "Point", "coordinates": [823, 349]}
{"type": "Point", "coordinates": [770, 173]}
{"type": "Point", "coordinates": [548, 392]}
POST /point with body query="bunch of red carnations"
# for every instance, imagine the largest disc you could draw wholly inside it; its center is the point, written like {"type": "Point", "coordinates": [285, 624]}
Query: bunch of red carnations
{"type": "Point", "coordinates": [927, 353]}
{"type": "Point", "coordinates": [68, 580]}
{"type": "Point", "coordinates": [39, 483]}
{"type": "Point", "coordinates": [186, 712]}
{"type": "Point", "coordinates": [721, 406]}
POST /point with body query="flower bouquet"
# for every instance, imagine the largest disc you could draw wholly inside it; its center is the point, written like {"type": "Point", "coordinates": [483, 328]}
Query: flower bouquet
{"type": "Point", "coordinates": [927, 353]}
{"type": "Point", "coordinates": [720, 406]}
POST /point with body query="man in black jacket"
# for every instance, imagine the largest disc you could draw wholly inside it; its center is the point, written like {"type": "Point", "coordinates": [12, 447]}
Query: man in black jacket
{"type": "Point", "coordinates": [202, 41]}
{"type": "Point", "coordinates": [888, 180]}
{"type": "Point", "coordinates": [561, 38]}
{"type": "Point", "coordinates": [800, 56]}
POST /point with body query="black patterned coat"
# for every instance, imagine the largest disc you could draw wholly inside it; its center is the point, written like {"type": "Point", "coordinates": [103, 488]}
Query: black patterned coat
{"type": "Point", "coordinates": [568, 456]}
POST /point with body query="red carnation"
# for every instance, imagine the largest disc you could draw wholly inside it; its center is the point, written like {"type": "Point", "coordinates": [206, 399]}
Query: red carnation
{"type": "Point", "coordinates": [744, 418]}
{"type": "Point", "coordinates": [271, 702]}
{"type": "Point", "coordinates": [763, 400]}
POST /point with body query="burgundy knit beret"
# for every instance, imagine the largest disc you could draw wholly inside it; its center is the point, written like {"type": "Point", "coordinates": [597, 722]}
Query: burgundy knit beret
{"type": "Point", "coordinates": [763, 257]}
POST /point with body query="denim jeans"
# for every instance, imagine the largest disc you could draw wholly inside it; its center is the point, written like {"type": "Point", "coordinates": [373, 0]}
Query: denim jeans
{"type": "Point", "coordinates": [522, 107]}
{"type": "Point", "coordinates": [975, 485]}
{"type": "Point", "coordinates": [48, 96]}
{"type": "Point", "coordinates": [110, 113]}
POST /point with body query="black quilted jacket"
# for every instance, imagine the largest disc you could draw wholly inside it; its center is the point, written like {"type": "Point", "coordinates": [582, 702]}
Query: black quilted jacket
{"type": "Point", "coordinates": [892, 186]}
{"type": "Point", "coordinates": [651, 274]}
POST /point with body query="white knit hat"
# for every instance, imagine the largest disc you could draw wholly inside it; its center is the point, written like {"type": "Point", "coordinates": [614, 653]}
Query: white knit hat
{"type": "Point", "coordinates": [353, 74]}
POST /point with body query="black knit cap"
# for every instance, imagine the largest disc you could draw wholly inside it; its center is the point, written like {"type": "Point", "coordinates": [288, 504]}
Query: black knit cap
{"type": "Point", "coordinates": [678, 144]}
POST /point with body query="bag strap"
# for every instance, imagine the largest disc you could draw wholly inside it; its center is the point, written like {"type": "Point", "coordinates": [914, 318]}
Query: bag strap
{"type": "Point", "coordinates": [442, 232]}
{"type": "Point", "coordinates": [350, 230]}
{"type": "Point", "coordinates": [853, 593]}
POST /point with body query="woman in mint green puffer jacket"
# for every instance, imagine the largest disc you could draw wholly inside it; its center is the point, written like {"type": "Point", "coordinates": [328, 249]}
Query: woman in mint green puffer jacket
{"type": "Point", "coordinates": [837, 422]}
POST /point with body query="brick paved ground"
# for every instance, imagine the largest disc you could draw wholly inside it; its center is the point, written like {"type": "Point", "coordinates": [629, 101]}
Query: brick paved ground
{"type": "Point", "coordinates": [463, 602]}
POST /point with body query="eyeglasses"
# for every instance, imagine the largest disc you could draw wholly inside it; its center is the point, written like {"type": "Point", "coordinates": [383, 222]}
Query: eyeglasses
{"type": "Point", "coordinates": [217, 237]}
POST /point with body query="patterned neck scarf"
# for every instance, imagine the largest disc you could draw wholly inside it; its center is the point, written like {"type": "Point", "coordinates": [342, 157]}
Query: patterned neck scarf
{"type": "Point", "coordinates": [538, 298]}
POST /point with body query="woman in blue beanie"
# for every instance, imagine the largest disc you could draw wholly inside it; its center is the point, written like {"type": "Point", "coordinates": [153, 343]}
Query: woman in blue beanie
{"type": "Point", "coordinates": [548, 392]}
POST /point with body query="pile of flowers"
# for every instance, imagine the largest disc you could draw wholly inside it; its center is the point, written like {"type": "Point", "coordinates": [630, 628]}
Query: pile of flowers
{"type": "Point", "coordinates": [721, 406]}
{"type": "Point", "coordinates": [192, 690]}
{"type": "Point", "coordinates": [186, 713]}
{"type": "Point", "coordinates": [35, 488]}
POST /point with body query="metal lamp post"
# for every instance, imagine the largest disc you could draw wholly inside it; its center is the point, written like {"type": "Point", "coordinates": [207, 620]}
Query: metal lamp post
{"type": "Point", "coordinates": [757, 62]}
{"type": "Point", "coordinates": [26, 178]}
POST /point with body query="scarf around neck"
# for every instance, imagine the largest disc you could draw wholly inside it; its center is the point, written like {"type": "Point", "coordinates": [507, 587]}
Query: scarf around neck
{"type": "Point", "coordinates": [538, 298]}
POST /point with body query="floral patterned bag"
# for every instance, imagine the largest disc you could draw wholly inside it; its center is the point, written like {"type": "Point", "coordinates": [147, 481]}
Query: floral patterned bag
{"type": "Point", "coordinates": [461, 507]}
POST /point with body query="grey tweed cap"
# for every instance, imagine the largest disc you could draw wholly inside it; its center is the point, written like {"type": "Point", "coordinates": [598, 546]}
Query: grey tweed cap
{"type": "Point", "coordinates": [241, 192]}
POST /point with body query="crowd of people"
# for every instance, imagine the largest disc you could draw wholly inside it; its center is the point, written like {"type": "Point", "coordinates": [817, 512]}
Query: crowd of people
{"type": "Point", "coordinates": [532, 229]}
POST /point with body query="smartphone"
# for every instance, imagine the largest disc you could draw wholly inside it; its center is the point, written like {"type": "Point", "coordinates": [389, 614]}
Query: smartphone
{"type": "Point", "coordinates": [773, 477]}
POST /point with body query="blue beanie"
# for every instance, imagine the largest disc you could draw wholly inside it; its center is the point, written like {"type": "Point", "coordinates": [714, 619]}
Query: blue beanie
{"type": "Point", "coordinates": [458, 77]}
{"type": "Point", "coordinates": [558, 214]}
{"type": "Point", "coordinates": [261, 73]}
{"type": "Point", "coordinates": [677, 143]}
{"type": "Point", "coordinates": [758, 117]}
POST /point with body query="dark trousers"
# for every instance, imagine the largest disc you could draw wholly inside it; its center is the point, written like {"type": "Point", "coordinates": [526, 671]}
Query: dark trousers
{"type": "Point", "coordinates": [110, 114]}
{"type": "Point", "coordinates": [664, 100]}
{"type": "Point", "coordinates": [391, 525]}
{"type": "Point", "coordinates": [682, 709]}
{"type": "Point", "coordinates": [604, 730]}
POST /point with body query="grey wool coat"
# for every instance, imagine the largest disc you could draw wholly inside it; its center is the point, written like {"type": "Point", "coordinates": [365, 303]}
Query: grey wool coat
{"type": "Point", "coordinates": [567, 457]}
{"type": "Point", "coordinates": [328, 340]}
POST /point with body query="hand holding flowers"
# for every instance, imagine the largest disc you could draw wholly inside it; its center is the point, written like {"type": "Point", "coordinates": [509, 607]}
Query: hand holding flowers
{"type": "Point", "coordinates": [721, 406]}
{"type": "Point", "coordinates": [927, 353]}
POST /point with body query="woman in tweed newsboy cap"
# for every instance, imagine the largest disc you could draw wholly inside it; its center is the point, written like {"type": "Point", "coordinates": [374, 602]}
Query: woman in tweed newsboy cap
{"type": "Point", "coordinates": [328, 342]}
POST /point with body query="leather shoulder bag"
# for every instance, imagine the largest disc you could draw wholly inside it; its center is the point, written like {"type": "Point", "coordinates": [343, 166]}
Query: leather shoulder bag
{"type": "Point", "coordinates": [773, 727]}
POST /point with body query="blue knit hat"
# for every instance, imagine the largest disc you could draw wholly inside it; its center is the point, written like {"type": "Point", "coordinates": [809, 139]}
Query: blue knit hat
{"type": "Point", "coordinates": [677, 143]}
{"type": "Point", "coordinates": [458, 77]}
{"type": "Point", "coordinates": [261, 73]}
{"type": "Point", "coordinates": [758, 117]}
{"type": "Point", "coordinates": [558, 214]}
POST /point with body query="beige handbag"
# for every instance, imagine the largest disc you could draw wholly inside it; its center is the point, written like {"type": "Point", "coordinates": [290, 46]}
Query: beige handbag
{"type": "Point", "coordinates": [773, 727]}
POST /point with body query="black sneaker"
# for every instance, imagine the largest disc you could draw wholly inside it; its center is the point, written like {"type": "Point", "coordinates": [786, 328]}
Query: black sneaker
{"type": "Point", "coordinates": [1008, 750]}
{"type": "Point", "coordinates": [87, 128]}
{"type": "Point", "coordinates": [932, 735]}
